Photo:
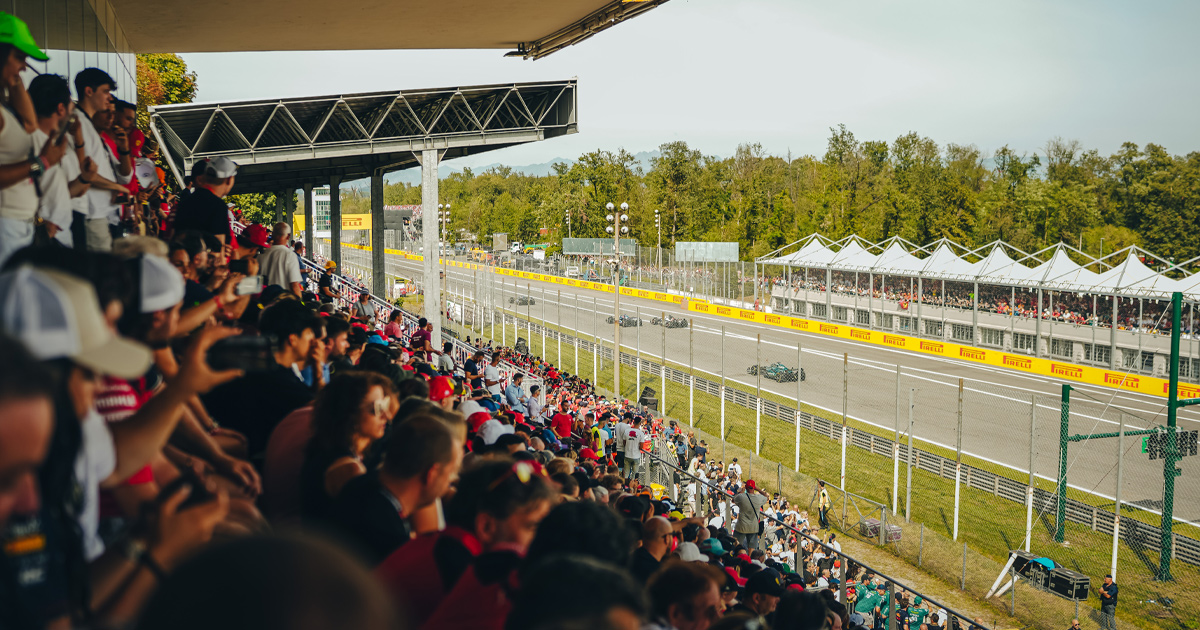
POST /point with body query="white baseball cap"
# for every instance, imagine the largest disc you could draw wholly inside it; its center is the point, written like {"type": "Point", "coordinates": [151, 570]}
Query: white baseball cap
{"type": "Point", "coordinates": [689, 552]}
{"type": "Point", "coordinates": [57, 315]}
{"type": "Point", "coordinates": [160, 283]}
{"type": "Point", "coordinates": [146, 173]}
{"type": "Point", "coordinates": [221, 167]}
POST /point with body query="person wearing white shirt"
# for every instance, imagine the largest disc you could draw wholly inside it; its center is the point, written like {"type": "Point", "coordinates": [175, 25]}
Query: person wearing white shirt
{"type": "Point", "coordinates": [491, 378]}
{"type": "Point", "coordinates": [94, 88]}
{"type": "Point", "coordinates": [19, 170]}
{"type": "Point", "coordinates": [279, 263]}
{"type": "Point", "coordinates": [64, 181]}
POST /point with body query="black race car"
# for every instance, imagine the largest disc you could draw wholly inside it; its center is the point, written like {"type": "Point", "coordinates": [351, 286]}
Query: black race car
{"type": "Point", "coordinates": [777, 372]}
{"type": "Point", "coordinates": [670, 322]}
{"type": "Point", "coordinates": [626, 321]}
{"type": "Point", "coordinates": [521, 300]}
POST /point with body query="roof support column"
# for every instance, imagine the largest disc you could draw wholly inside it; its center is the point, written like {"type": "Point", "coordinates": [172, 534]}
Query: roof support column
{"type": "Point", "coordinates": [289, 209]}
{"type": "Point", "coordinates": [429, 237]}
{"type": "Point", "coordinates": [335, 221]}
{"type": "Point", "coordinates": [378, 256]}
{"type": "Point", "coordinates": [309, 225]}
{"type": "Point", "coordinates": [279, 206]}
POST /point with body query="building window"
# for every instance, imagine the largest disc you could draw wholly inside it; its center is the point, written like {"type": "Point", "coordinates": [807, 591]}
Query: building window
{"type": "Point", "coordinates": [906, 323]}
{"type": "Point", "coordinates": [818, 310]}
{"type": "Point", "coordinates": [933, 328]}
{"type": "Point", "coordinates": [1093, 353]}
{"type": "Point", "coordinates": [962, 332]}
{"type": "Point", "coordinates": [1024, 341]}
{"type": "Point", "coordinates": [992, 337]}
{"type": "Point", "coordinates": [1062, 348]}
{"type": "Point", "coordinates": [887, 321]}
{"type": "Point", "coordinates": [840, 314]}
{"type": "Point", "coordinates": [862, 317]}
{"type": "Point", "coordinates": [799, 307]}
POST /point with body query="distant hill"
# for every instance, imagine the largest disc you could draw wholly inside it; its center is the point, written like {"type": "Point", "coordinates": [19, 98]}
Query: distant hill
{"type": "Point", "coordinates": [412, 176]}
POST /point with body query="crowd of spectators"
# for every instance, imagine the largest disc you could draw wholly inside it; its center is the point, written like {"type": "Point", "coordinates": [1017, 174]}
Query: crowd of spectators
{"type": "Point", "coordinates": [199, 430]}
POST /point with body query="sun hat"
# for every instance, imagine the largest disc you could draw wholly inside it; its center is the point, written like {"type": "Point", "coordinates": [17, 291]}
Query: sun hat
{"type": "Point", "coordinates": [57, 315]}
{"type": "Point", "coordinates": [13, 30]}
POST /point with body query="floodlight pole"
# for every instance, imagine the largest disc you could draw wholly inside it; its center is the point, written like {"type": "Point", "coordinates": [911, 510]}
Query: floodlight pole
{"type": "Point", "coordinates": [615, 229]}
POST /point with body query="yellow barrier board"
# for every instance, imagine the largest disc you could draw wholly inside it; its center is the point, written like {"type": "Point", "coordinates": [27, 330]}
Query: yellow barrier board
{"type": "Point", "coordinates": [1018, 362]}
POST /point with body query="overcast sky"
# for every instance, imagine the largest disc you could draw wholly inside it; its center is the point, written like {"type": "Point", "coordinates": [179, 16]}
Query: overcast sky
{"type": "Point", "coordinates": [782, 72]}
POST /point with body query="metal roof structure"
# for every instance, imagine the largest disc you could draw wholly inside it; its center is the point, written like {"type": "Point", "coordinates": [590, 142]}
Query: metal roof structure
{"type": "Point", "coordinates": [528, 28]}
{"type": "Point", "coordinates": [1053, 268]}
{"type": "Point", "coordinates": [286, 143]}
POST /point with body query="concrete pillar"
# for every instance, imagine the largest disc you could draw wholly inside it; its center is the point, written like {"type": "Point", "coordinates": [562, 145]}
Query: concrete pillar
{"type": "Point", "coordinates": [378, 262]}
{"type": "Point", "coordinates": [429, 237]}
{"type": "Point", "coordinates": [309, 225]}
{"type": "Point", "coordinates": [280, 204]}
{"type": "Point", "coordinates": [289, 209]}
{"type": "Point", "coordinates": [335, 221]}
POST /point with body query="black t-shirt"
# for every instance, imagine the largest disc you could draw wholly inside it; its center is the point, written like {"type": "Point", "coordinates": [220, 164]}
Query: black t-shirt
{"type": "Point", "coordinates": [204, 212]}
{"type": "Point", "coordinates": [471, 367]}
{"type": "Point", "coordinates": [643, 565]}
{"type": "Point", "coordinates": [1111, 600]}
{"type": "Point", "coordinates": [368, 516]}
{"type": "Point", "coordinates": [325, 281]}
{"type": "Point", "coordinates": [256, 402]}
{"type": "Point", "coordinates": [194, 293]}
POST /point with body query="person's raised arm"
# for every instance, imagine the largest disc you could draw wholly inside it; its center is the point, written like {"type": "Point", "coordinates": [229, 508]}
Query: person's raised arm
{"type": "Point", "coordinates": [140, 437]}
{"type": "Point", "coordinates": [194, 317]}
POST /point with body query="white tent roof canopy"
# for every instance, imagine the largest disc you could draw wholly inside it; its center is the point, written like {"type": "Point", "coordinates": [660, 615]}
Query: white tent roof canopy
{"type": "Point", "coordinates": [1129, 278]}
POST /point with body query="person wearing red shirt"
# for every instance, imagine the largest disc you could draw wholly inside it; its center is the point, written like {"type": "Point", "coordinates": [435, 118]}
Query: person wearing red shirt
{"type": "Point", "coordinates": [561, 422]}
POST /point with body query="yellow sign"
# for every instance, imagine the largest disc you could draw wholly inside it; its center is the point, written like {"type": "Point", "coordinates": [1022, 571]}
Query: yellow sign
{"type": "Point", "coordinates": [349, 222]}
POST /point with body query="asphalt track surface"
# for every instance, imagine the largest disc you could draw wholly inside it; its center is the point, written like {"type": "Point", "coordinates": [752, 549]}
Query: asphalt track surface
{"type": "Point", "coordinates": [997, 402]}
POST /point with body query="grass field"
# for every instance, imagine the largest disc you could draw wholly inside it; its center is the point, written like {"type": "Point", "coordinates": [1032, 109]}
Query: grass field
{"type": "Point", "coordinates": [988, 525]}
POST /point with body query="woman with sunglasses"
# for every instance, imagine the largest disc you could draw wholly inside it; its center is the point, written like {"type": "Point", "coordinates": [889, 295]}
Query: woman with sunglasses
{"type": "Point", "coordinates": [349, 415]}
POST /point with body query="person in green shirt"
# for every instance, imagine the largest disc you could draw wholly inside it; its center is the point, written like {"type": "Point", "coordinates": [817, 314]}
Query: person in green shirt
{"type": "Point", "coordinates": [916, 614]}
{"type": "Point", "coordinates": [869, 601]}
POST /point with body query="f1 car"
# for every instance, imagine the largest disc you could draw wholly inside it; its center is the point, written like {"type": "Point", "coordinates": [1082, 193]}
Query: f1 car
{"type": "Point", "coordinates": [670, 322]}
{"type": "Point", "coordinates": [521, 300]}
{"type": "Point", "coordinates": [626, 321]}
{"type": "Point", "coordinates": [777, 372]}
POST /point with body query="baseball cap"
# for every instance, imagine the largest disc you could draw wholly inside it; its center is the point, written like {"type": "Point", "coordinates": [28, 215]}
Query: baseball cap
{"type": "Point", "coordinates": [160, 284]}
{"type": "Point", "coordinates": [689, 552]}
{"type": "Point", "coordinates": [221, 167]}
{"type": "Point", "coordinates": [712, 546]}
{"type": "Point", "coordinates": [147, 175]}
{"type": "Point", "coordinates": [766, 582]}
{"type": "Point", "coordinates": [478, 392]}
{"type": "Point", "coordinates": [329, 264]}
{"type": "Point", "coordinates": [440, 388]}
{"type": "Point", "coordinates": [588, 453]}
{"type": "Point", "coordinates": [477, 419]}
{"type": "Point", "coordinates": [13, 30]}
{"type": "Point", "coordinates": [491, 431]}
{"type": "Point", "coordinates": [750, 485]}
{"type": "Point", "coordinates": [58, 315]}
{"type": "Point", "coordinates": [917, 600]}
{"type": "Point", "coordinates": [255, 234]}
{"type": "Point", "coordinates": [856, 619]}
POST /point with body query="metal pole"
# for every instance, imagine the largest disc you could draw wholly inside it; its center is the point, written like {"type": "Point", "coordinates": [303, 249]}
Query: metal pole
{"type": "Point", "coordinates": [799, 379]}
{"type": "Point", "coordinates": [691, 375]}
{"type": "Point", "coordinates": [958, 458]}
{"type": "Point", "coordinates": [617, 304]}
{"type": "Point", "coordinates": [722, 392]}
{"type": "Point", "coordinates": [1029, 488]}
{"type": "Point", "coordinates": [1064, 420]}
{"type": "Point", "coordinates": [962, 585]}
{"type": "Point", "coordinates": [596, 361]}
{"type": "Point", "coordinates": [1171, 450]}
{"type": "Point", "coordinates": [758, 395]}
{"type": "Point", "coordinates": [908, 488]}
{"type": "Point", "coordinates": [545, 352]}
{"type": "Point", "coordinates": [558, 320]}
{"type": "Point", "coordinates": [577, 335]}
{"type": "Point", "coordinates": [1120, 478]}
{"type": "Point", "coordinates": [896, 450]}
{"type": "Point", "coordinates": [637, 340]}
{"type": "Point", "coordinates": [662, 370]}
{"type": "Point", "coordinates": [845, 400]}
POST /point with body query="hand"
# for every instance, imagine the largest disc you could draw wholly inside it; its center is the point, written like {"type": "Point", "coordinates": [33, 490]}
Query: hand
{"type": "Point", "coordinates": [174, 533]}
{"type": "Point", "coordinates": [242, 472]}
{"type": "Point", "coordinates": [89, 169]}
{"type": "Point", "coordinates": [51, 229]}
{"type": "Point", "coordinates": [229, 287]}
{"type": "Point", "coordinates": [194, 373]}
{"type": "Point", "coordinates": [198, 467]}
{"type": "Point", "coordinates": [52, 152]}
{"type": "Point", "coordinates": [316, 355]}
{"type": "Point", "coordinates": [76, 131]}
{"type": "Point", "coordinates": [122, 138]}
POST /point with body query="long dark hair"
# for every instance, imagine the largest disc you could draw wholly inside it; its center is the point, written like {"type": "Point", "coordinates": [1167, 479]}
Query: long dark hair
{"type": "Point", "coordinates": [336, 410]}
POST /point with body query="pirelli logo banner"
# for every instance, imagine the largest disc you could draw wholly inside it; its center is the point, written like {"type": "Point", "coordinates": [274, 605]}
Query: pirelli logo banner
{"type": "Point", "coordinates": [1021, 363]}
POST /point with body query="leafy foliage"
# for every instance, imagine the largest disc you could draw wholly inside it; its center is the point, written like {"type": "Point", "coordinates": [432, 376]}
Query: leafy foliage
{"type": "Point", "coordinates": [162, 79]}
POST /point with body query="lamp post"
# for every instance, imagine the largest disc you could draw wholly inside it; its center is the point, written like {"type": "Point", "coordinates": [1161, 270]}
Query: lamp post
{"type": "Point", "coordinates": [616, 229]}
{"type": "Point", "coordinates": [444, 219]}
{"type": "Point", "coordinates": [568, 213]}
{"type": "Point", "coordinates": [658, 226]}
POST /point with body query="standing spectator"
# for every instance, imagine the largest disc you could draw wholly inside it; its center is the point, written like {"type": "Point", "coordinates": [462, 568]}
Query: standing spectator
{"type": "Point", "coordinates": [491, 377]}
{"type": "Point", "coordinates": [67, 180]}
{"type": "Point", "coordinates": [749, 503]}
{"type": "Point", "coordinates": [203, 210]}
{"type": "Point", "coordinates": [834, 544]}
{"type": "Point", "coordinates": [278, 264]}
{"type": "Point", "coordinates": [656, 542]}
{"type": "Point", "coordinates": [632, 465]}
{"type": "Point", "coordinates": [1108, 604]}
{"type": "Point", "coordinates": [114, 171]}
{"type": "Point", "coordinates": [364, 311]}
{"type": "Point", "coordinates": [18, 120]}
{"type": "Point", "coordinates": [823, 505]}
{"type": "Point", "coordinates": [325, 284]}
{"type": "Point", "coordinates": [561, 421]}
{"type": "Point", "coordinates": [685, 596]}
{"type": "Point", "coordinates": [735, 468]}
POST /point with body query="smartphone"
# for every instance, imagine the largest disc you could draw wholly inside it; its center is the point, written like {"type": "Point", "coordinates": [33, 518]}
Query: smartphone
{"type": "Point", "coordinates": [241, 266]}
{"type": "Point", "coordinates": [62, 128]}
{"type": "Point", "coordinates": [250, 285]}
{"type": "Point", "coordinates": [250, 353]}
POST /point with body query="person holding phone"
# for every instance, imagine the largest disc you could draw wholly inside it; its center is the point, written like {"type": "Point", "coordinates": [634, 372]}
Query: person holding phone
{"type": "Point", "coordinates": [71, 177]}
{"type": "Point", "coordinates": [114, 166]}
{"type": "Point", "coordinates": [19, 168]}
{"type": "Point", "coordinates": [204, 210]}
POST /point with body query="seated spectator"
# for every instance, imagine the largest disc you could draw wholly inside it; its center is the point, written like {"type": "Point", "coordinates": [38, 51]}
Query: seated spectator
{"type": "Point", "coordinates": [576, 591]}
{"type": "Point", "coordinates": [372, 511]}
{"type": "Point", "coordinates": [495, 507]}
{"type": "Point", "coordinates": [685, 596]}
{"type": "Point", "coordinates": [514, 396]}
{"type": "Point", "coordinates": [656, 542]}
{"type": "Point", "coordinates": [349, 414]}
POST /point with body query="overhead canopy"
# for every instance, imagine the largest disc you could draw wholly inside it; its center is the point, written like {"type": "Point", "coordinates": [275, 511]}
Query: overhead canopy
{"type": "Point", "coordinates": [286, 143]}
{"type": "Point", "coordinates": [1058, 272]}
{"type": "Point", "coordinates": [535, 27]}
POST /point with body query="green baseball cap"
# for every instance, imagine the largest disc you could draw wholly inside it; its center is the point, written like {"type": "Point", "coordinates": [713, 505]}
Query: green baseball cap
{"type": "Point", "coordinates": [13, 30]}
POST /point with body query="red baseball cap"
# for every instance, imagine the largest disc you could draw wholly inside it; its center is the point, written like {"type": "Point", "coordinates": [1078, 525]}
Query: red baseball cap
{"type": "Point", "coordinates": [477, 419]}
{"type": "Point", "coordinates": [588, 453]}
{"type": "Point", "coordinates": [441, 387]}
{"type": "Point", "coordinates": [751, 485]}
{"type": "Point", "coordinates": [257, 235]}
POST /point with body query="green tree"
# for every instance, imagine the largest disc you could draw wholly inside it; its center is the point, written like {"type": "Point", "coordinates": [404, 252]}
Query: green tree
{"type": "Point", "coordinates": [162, 79]}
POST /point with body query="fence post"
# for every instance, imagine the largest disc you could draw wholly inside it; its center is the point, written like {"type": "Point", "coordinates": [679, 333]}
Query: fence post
{"type": "Point", "coordinates": [845, 403]}
{"type": "Point", "coordinates": [891, 597]}
{"type": "Point", "coordinates": [1060, 527]}
{"type": "Point", "coordinates": [963, 581]}
{"type": "Point", "coordinates": [958, 458]}
{"type": "Point", "coordinates": [908, 487]}
{"type": "Point", "coordinates": [545, 351]}
{"type": "Point", "coordinates": [1120, 478]}
{"type": "Point", "coordinates": [578, 334]}
{"type": "Point", "coordinates": [637, 342]}
{"type": "Point", "coordinates": [896, 450]}
{"type": "Point", "coordinates": [529, 318]}
{"type": "Point", "coordinates": [722, 393]}
{"type": "Point", "coordinates": [503, 328]}
{"type": "Point", "coordinates": [596, 362]}
{"type": "Point", "coordinates": [662, 370]}
{"type": "Point", "coordinates": [1029, 488]}
{"type": "Point", "coordinates": [558, 320]}
{"type": "Point", "coordinates": [779, 477]}
{"type": "Point", "coordinates": [691, 375]}
{"type": "Point", "coordinates": [921, 546]}
{"type": "Point", "coordinates": [799, 379]}
{"type": "Point", "coordinates": [758, 393]}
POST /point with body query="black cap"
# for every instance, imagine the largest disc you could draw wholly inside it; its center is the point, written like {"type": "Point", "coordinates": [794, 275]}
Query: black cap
{"type": "Point", "coordinates": [766, 582]}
